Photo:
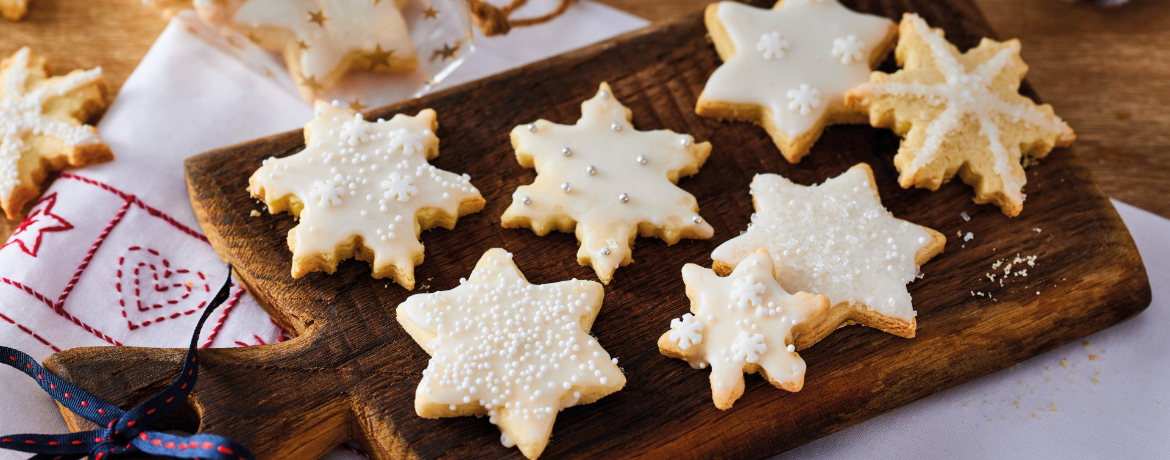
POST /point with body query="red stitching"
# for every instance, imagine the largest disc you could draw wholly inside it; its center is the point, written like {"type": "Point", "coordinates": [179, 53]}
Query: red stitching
{"type": "Point", "coordinates": [89, 255]}
{"type": "Point", "coordinates": [30, 332]}
{"type": "Point", "coordinates": [137, 202]}
{"type": "Point", "coordinates": [159, 285]}
{"type": "Point", "coordinates": [46, 212]}
{"type": "Point", "coordinates": [231, 303]}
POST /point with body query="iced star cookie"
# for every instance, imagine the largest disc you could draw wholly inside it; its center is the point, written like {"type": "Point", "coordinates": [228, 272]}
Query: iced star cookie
{"type": "Point", "coordinates": [13, 9]}
{"type": "Point", "coordinates": [836, 239]}
{"type": "Point", "coordinates": [961, 113]}
{"type": "Point", "coordinates": [514, 351]}
{"type": "Point", "coordinates": [364, 190]}
{"type": "Point", "coordinates": [787, 69]}
{"type": "Point", "coordinates": [608, 181]}
{"type": "Point", "coordinates": [42, 125]}
{"type": "Point", "coordinates": [321, 39]}
{"type": "Point", "coordinates": [743, 323]}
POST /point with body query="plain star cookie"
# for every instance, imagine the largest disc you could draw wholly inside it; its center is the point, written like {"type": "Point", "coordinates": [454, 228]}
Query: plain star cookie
{"type": "Point", "coordinates": [608, 181]}
{"type": "Point", "coordinates": [514, 351]}
{"type": "Point", "coordinates": [365, 190]}
{"type": "Point", "coordinates": [961, 113]}
{"type": "Point", "coordinates": [744, 323]}
{"type": "Point", "coordinates": [787, 69]}
{"type": "Point", "coordinates": [13, 9]}
{"type": "Point", "coordinates": [322, 40]}
{"type": "Point", "coordinates": [836, 239]}
{"type": "Point", "coordinates": [42, 125]}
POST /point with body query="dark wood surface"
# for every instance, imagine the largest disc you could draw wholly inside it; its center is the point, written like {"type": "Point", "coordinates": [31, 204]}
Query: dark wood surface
{"type": "Point", "coordinates": [352, 371]}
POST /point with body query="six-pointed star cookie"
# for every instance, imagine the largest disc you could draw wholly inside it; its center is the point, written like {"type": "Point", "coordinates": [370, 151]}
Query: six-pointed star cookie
{"type": "Point", "coordinates": [365, 190]}
{"type": "Point", "coordinates": [607, 180]}
{"type": "Point", "coordinates": [515, 351]}
{"type": "Point", "coordinates": [42, 125]}
{"type": "Point", "coordinates": [961, 113]}
{"type": "Point", "coordinates": [13, 9]}
{"type": "Point", "coordinates": [743, 323]}
{"type": "Point", "coordinates": [323, 39]}
{"type": "Point", "coordinates": [836, 239]}
{"type": "Point", "coordinates": [787, 69]}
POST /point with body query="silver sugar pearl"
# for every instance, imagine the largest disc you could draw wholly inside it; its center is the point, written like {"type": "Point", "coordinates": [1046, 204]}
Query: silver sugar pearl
{"type": "Point", "coordinates": [686, 142]}
{"type": "Point", "coordinates": [567, 151]}
{"type": "Point", "coordinates": [623, 198]}
{"type": "Point", "coordinates": [697, 219]}
{"type": "Point", "coordinates": [532, 126]}
{"type": "Point", "coordinates": [641, 159]}
{"type": "Point", "coordinates": [565, 186]}
{"type": "Point", "coordinates": [526, 201]}
{"type": "Point", "coordinates": [605, 251]}
{"type": "Point", "coordinates": [616, 126]}
{"type": "Point", "coordinates": [604, 94]}
{"type": "Point", "coordinates": [591, 170]}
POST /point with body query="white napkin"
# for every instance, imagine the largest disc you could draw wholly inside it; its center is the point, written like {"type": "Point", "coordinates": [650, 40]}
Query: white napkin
{"type": "Point", "coordinates": [185, 97]}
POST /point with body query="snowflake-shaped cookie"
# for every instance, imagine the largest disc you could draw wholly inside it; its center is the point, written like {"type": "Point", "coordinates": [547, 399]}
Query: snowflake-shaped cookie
{"type": "Point", "coordinates": [366, 196]}
{"type": "Point", "coordinates": [733, 336]}
{"type": "Point", "coordinates": [609, 181]}
{"type": "Point", "coordinates": [787, 69]}
{"type": "Point", "coordinates": [42, 125]}
{"type": "Point", "coordinates": [961, 113]}
{"type": "Point", "coordinates": [836, 239]}
{"type": "Point", "coordinates": [514, 351]}
{"type": "Point", "coordinates": [321, 39]}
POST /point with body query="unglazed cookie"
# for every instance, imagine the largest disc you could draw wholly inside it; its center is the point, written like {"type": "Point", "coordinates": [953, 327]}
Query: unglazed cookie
{"type": "Point", "coordinates": [42, 125]}
{"type": "Point", "coordinates": [321, 39]}
{"type": "Point", "coordinates": [514, 351]}
{"type": "Point", "coordinates": [836, 239]}
{"type": "Point", "coordinates": [961, 113]}
{"type": "Point", "coordinates": [364, 190]}
{"type": "Point", "coordinates": [13, 9]}
{"type": "Point", "coordinates": [787, 69]}
{"type": "Point", "coordinates": [607, 181]}
{"type": "Point", "coordinates": [743, 323]}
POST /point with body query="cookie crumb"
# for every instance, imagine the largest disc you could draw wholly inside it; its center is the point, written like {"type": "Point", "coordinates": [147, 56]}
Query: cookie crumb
{"type": "Point", "coordinates": [969, 236]}
{"type": "Point", "coordinates": [1052, 407]}
{"type": "Point", "coordinates": [1093, 357]}
{"type": "Point", "coordinates": [254, 213]}
{"type": "Point", "coordinates": [966, 218]}
{"type": "Point", "coordinates": [1064, 363]}
{"type": "Point", "coordinates": [1037, 229]}
{"type": "Point", "coordinates": [1087, 343]}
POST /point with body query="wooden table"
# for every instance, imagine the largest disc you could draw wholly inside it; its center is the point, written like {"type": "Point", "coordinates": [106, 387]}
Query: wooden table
{"type": "Point", "coordinates": [1106, 71]}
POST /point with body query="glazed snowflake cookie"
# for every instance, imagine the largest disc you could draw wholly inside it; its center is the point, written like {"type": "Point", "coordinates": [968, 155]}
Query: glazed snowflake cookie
{"type": "Point", "coordinates": [836, 239]}
{"type": "Point", "coordinates": [321, 40]}
{"type": "Point", "coordinates": [787, 69]}
{"type": "Point", "coordinates": [478, 366]}
{"type": "Point", "coordinates": [961, 113]}
{"type": "Point", "coordinates": [744, 322]}
{"type": "Point", "coordinates": [42, 125]}
{"type": "Point", "coordinates": [13, 9]}
{"type": "Point", "coordinates": [608, 181]}
{"type": "Point", "coordinates": [365, 190]}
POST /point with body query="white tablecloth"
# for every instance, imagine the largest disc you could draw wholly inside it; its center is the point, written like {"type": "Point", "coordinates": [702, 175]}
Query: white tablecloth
{"type": "Point", "coordinates": [187, 97]}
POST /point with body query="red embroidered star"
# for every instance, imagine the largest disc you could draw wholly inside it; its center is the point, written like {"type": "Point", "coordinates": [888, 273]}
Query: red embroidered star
{"type": "Point", "coordinates": [39, 221]}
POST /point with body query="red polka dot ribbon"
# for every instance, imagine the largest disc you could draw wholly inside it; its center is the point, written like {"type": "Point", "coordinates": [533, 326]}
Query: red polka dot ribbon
{"type": "Point", "coordinates": [124, 432]}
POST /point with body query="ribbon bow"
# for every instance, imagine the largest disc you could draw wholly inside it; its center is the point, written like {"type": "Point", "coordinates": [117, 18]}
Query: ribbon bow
{"type": "Point", "coordinates": [125, 431]}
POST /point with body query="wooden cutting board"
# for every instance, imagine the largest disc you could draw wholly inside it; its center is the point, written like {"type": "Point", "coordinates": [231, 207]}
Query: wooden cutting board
{"type": "Point", "coordinates": [352, 371]}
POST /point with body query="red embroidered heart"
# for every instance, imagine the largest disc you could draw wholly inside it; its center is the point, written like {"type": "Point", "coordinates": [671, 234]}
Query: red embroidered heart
{"type": "Point", "coordinates": [152, 291]}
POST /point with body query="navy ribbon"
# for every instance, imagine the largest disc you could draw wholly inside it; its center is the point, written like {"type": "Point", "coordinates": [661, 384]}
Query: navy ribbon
{"type": "Point", "coordinates": [125, 431]}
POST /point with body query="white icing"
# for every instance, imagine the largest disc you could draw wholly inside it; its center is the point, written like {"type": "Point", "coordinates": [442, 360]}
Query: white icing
{"type": "Point", "coordinates": [834, 239]}
{"type": "Point", "coordinates": [811, 28]}
{"type": "Point", "coordinates": [804, 99]}
{"type": "Point", "coordinates": [731, 338]}
{"type": "Point", "coordinates": [516, 351]}
{"type": "Point", "coordinates": [350, 25]}
{"type": "Point", "coordinates": [22, 103]}
{"type": "Point", "coordinates": [969, 96]}
{"type": "Point", "coordinates": [848, 49]}
{"type": "Point", "coordinates": [772, 45]}
{"type": "Point", "coordinates": [372, 190]}
{"type": "Point", "coordinates": [605, 164]}
{"type": "Point", "coordinates": [746, 292]}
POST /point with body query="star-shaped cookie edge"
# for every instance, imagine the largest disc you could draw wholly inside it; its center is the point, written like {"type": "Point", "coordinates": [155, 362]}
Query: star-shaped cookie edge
{"type": "Point", "coordinates": [795, 148]}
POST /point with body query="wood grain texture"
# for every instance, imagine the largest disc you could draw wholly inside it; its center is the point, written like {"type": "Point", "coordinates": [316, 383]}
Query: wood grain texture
{"type": "Point", "coordinates": [1105, 70]}
{"type": "Point", "coordinates": [351, 373]}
